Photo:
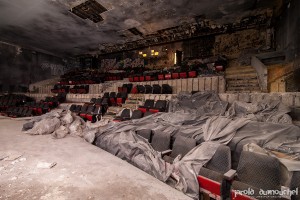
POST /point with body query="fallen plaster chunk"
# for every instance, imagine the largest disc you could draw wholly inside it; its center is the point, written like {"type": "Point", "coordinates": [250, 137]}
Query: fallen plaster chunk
{"type": "Point", "coordinates": [45, 165]}
{"type": "Point", "coordinates": [10, 156]}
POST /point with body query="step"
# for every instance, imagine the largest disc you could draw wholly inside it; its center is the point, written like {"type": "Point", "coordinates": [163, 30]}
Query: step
{"type": "Point", "coordinates": [244, 89]}
{"type": "Point", "coordinates": [244, 84]}
{"type": "Point", "coordinates": [248, 81]}
{"type": "Point", "coordinates": [238, 70]}
{"type": "Point", "coordinates": [241, 76]}
{"type": "Point", "coordinates": [248, 71]}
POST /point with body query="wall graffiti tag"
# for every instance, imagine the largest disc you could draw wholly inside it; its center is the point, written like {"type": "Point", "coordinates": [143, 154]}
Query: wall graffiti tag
{"type": "Point", "coordinates": [56, 69]}
{"type": "Point", "coordinates": [113, 64]}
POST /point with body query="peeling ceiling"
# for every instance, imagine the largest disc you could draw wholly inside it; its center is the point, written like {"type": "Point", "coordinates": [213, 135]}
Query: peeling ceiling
{"type": "Point", "coordinates": [49, 25]}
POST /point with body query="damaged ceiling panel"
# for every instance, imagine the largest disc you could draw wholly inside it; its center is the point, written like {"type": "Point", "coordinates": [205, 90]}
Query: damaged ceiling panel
{"type": "Point", "coordinates": [49, 24]}
{"type": "Point", "coordinates": [90, 9]}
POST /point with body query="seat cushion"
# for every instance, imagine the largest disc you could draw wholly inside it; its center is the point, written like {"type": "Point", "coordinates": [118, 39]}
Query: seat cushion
{"type": "Point", "coordinates": [145, 133]}
{"type": "Point", "coordinates": [213, 175]}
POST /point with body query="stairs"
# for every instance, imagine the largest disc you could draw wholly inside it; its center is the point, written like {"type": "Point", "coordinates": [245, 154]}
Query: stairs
{"type": "Point", "coordinates": [242, 79]}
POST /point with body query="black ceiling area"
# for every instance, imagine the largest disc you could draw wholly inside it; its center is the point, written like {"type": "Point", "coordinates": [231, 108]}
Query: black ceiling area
{"type": "Point", "coordinates": [75, 27]}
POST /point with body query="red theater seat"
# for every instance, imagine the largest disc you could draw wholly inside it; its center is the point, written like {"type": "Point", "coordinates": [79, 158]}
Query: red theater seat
{"type": "Point", "coordinates": [168, 76]}
{"type": "Point", "coordinates": [160, 77]}
{"type": "Point", "coordinates": [183, 75]}
{"type": "Point", "coordinates": [148, 78]}
{"type": "Point", "coordinates": [175, 75]}
{"type": "Point", "coordinates": [192, 74]}
{"type": "Point", "coordinates": [142, 78]}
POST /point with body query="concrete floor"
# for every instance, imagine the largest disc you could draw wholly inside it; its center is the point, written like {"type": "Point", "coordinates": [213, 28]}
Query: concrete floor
{"type": "Point", "coordinates": [83, 171]}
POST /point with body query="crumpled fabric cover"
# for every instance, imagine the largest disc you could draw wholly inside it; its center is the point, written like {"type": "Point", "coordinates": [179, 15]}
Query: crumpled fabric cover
{"type": "Point", "coordinates": [201, 116]}
{"type": "Point", "coordinates": [45, 126]}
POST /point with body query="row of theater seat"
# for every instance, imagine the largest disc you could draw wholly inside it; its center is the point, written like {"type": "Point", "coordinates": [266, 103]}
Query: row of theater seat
{"type": "Point", "coordinates": [154, 107]}
{"type": "Point", "coordinates": [126, 114]}
{"type": "Point", "coordinates": [93, 78]}
{"type": "Point", "coordinates": [111, 99]}
{"type": "Point", "coordinates": [10, 100]}
{"type": "Point", "coordinates": [77, 89]}
{"type": "Point", "coordinates": [89, 112]}
{"type": "Point", "coordinates": [78, 81]}
{"type": "Point", "coordinates": [98, 106]}
{"type": "Point", "coordinates": [146, 89]}
{"type": "Point", "coordinates": [31, 108]}
{"type": "Point", "coordinates": [147, 109]}
{"type": "Point", "coordinates": [255, 172]}
{"type": "Point", "coordinates": [168, 76]}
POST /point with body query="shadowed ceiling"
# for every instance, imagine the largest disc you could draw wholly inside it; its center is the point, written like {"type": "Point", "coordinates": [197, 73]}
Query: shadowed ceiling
{"type": "Point", "coordinates": [48, 25]}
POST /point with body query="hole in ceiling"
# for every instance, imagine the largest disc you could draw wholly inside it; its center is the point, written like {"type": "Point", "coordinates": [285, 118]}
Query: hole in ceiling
{"type": "Point", "coordinates": [135, 31]}
{"type": "Point", "coordinates": [89, 9]}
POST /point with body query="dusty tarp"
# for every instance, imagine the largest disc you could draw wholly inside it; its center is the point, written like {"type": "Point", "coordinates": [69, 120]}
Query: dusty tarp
{"type": "Point", "coordinates": [187, 169]}
{"type": "Point", "coordinates": [123, 142]}
{"type": "Point", "coordinates": [201, 116]}
{"type": "Point", "coordinates": [262, 111]}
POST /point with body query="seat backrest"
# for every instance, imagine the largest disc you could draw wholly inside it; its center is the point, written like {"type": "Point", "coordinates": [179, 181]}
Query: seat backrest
{"type": "Point", "coordinates": [182, 145]}
{"type": "Point", "coordinates": [106, 95]}
{"type": "Point", "coordinates": [166, 89]}
{"type": "Point", "coordinates": [78, 108]}
{"type": "Point", "coordinates": [84, 108]}
{"type": "Point", "coordinates": [261, 171]}
{"type": "Point", "coordinates": [93, 100]}
{"type": "Point", "coordinates": [148, 89]}
{"type": "Point", "coordinates": [98, 101]}
{"type": "Point", "coordinates": [97, 110]}
{"type": "Point", "coordinates": [161, 141]}
{"type": "Point", "coordinates": [295, 183]}
{"type": "Point", "coordinates": [125, 113]}
{"type": "Point", "coordinates": [124, 95]}
{"type": "Point", "coordinates": [141, 89]}
{"type": "Point", "coordinates": [221, 160]}
{"type": "Point", "coordinates": [145, 133]}
{"type": "Point", "coordinates": [73, 107]}
{"type": "Point", "coordinates": [149, 103]}
{"type": "Point", "coordinates": [119, 95]}
{"type": "Point", "coordinates": [137, 114]}
{"type": "Point", "coordinates": [156, 89]}
{"type": "Point", "coordinates": [90, 109]}
{"type": "Point", "coordinates": [112, 95]}
{"type": "Point", "coordinates": [129, 87]}
{"type": "Point", "coordinates": [161, 104]}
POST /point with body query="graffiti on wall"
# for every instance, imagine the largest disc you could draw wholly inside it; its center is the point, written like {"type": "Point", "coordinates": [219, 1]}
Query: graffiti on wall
{"type": "Point", "coordinates": [56, 69]}
{"type": "Point", "coordinates": [113, 64]}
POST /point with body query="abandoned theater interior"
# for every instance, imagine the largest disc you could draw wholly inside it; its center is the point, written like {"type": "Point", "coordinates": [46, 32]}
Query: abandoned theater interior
{"type": "Point", "coordinates": [157, 99]}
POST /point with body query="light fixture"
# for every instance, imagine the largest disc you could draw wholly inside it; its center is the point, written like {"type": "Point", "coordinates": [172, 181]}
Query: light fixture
{"type": "Point", "coordinates": [141, 53]}
{"type": "Point", "coordinates": [156, 53]}
{"type": "Point", "coordinates": [152, 51]}
{"type": "Point", "coordinates": [144, 55]}
{"type": "Point", "coordinates": [175, 59]}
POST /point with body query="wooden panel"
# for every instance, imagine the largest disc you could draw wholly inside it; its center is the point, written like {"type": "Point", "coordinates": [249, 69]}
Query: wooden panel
{"type": "Point", "coordinates": [281, 86]}
{"type": "Point", "coordinates": [173, 85]}
{"type": "Point", "coordinates": [178, 86]}
{"type": "Point", "coordinates": [215, 83]}
{"type": "Point", "coordinates": [274, 87]}
{"type": "Point", "coordinates": [195, 84]}
{"type": "Point", "coordinates": [207, 84]}
{"type": "Point", "coordinates": [190, 84]}
{"type": "Point", "coordinates": [222, 84]}
{"type": "Point", "coordinates": [201, 84]}
{"type": "Point", "coordinates": [184, 84]}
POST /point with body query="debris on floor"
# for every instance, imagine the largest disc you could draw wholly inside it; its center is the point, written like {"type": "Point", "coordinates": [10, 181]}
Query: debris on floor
{"type": "Point", "coordinates": [45, 165]}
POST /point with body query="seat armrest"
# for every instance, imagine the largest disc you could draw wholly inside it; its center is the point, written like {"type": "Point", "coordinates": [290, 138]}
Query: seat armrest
{"type": "Point", "coordinates": [230, 175]}
{"type": "Point", "coordinates": [166, 152]}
